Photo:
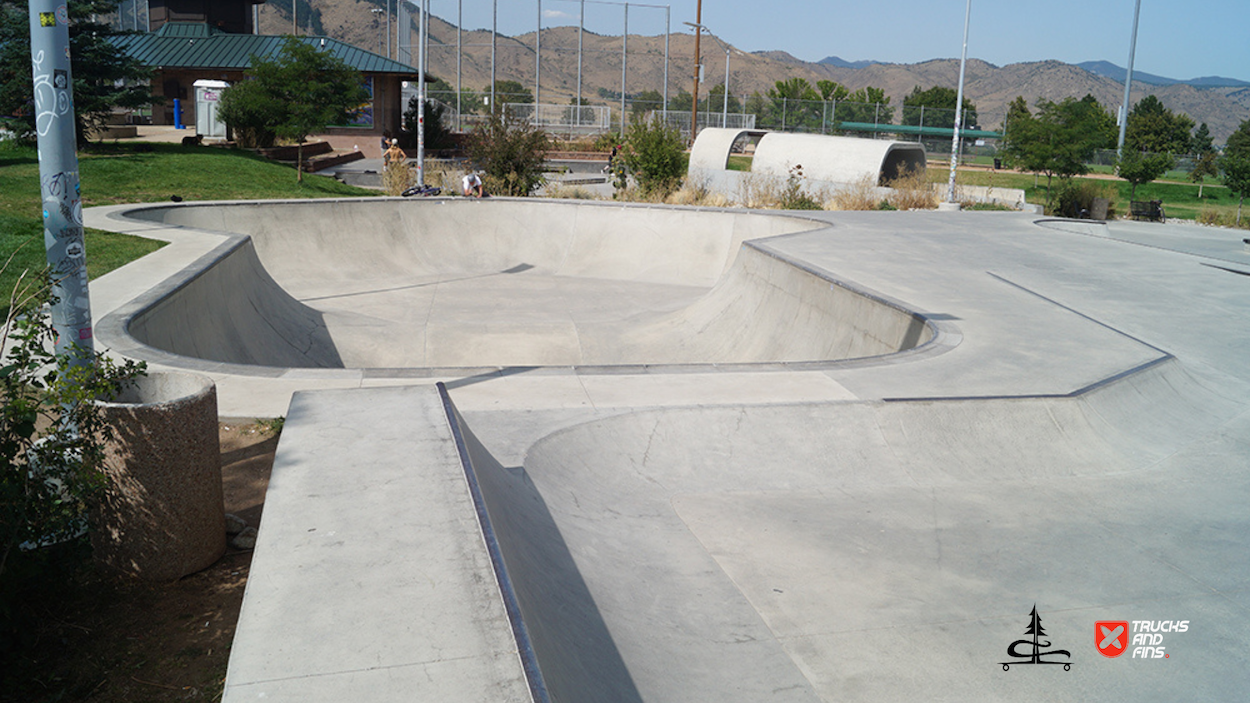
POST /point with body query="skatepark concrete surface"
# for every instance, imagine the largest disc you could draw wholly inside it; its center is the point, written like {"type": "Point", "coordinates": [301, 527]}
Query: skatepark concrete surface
{"type": "Point", "coordinates": [716, 455]}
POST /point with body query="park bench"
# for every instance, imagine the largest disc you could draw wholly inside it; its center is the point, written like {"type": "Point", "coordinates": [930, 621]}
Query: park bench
{"type": "Point", "coordinates": [1148, 210]}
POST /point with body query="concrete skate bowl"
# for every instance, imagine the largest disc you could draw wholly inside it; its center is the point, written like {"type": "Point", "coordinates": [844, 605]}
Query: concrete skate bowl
{"type": "Point", "coordinates": [460, 285]}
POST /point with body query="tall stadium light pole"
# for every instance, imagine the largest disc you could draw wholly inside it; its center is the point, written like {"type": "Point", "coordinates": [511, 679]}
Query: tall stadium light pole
{"type": "Point", "coordinates": [494, 32]}
{"type": "Point", "coordinates": [459, 57]}
{"type": "Point", "coordinates": [1128, 83]}
{"type": "Point", "coordinates": [581, 29]}
{"type": "Point", "coordinates": [58, 179]}
{"type": "Point", "coordinates": [421, 32]}
{"type": "Point", "coordinates": [624, 61]}
{"type": "Point", "coordinates": [377, 11]}
{"type": "Point", "coordinates": [959, 102]}
{"type": "Point", "coordinates": [694, 104]}
{"type": "Point", "coordinates": [667, 31]}
{"type": "Point", "coordinates": [538, 60]}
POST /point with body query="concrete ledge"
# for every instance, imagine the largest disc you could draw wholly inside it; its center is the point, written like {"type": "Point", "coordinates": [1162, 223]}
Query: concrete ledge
{"type": "Point", "coordinates": [370, 579]}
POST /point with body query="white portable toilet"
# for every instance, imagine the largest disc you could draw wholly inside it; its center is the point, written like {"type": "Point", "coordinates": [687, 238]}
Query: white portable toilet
{"type": "Point", "coordinates": [207, 97]}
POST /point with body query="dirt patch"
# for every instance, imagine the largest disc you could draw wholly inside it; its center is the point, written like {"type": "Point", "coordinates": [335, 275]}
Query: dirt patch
{"type": "Point", "coordinates": [98, 638]}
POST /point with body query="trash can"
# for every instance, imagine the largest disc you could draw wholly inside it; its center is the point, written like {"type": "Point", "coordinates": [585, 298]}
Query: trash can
{"type": "Point", "coordinates": [998, 163]}
{"type": "Point", "coordinates": [162, 515]}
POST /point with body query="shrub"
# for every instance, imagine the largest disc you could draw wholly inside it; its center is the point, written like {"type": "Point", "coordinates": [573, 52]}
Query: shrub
{"type": "Point", "coordinates": [437, 135]}
{"type": "Point", "coordinates": [510, 151]}
{"type": "Point", "coordinates": [51, 437]}
{"type": "Point", "coordinates": [656, 157]}
{"type": "Point", "coordinates": [793, 197]}
{"type": "Point", "coordinates": [1076, 197]}
{"type": "Point", "coordinates": [397, 177]}
{"type": "Point", "coordinates": [912, 190]}
{"type": "Point", "coordinates": [860, 195]}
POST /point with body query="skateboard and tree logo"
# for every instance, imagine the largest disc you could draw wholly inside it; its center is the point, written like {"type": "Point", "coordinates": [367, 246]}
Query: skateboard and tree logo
{"type": "Point", "coordinates": [1033, 651]}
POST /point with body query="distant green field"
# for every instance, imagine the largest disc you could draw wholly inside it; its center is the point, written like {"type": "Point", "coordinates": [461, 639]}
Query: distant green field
{"type": "Point", "coordinates": [1180, 200]}
{"type": "Point", "coordinates": [135, 173]}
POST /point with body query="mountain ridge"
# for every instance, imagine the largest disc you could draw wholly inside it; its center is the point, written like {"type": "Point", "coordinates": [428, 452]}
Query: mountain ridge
{"type": "Point", "coordinates": [990, 87]}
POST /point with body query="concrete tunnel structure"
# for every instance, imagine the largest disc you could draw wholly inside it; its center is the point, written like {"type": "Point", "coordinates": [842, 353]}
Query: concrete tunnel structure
{"type": "Point", "coordinates": [825, 159]}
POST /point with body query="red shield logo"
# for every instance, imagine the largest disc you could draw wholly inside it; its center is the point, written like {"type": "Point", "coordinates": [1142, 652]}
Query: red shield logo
{"type": "Point", "coordinates": [1111, 637]}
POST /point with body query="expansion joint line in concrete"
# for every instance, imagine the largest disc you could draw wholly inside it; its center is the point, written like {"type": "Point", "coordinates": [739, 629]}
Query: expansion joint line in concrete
{"type": "Point", "coordinates": [1163, 357]}
{"type": "Point", "coordinates": [525, 649]}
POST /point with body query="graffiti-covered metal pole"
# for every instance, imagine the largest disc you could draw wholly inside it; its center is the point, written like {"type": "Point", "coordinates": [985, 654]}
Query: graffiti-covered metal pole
{"type": "Point", "coordinates": [58, 178]}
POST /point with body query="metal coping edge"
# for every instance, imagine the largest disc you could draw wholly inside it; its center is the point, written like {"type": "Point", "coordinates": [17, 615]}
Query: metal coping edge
{"type": "Point", "coordinates": [525, 649]}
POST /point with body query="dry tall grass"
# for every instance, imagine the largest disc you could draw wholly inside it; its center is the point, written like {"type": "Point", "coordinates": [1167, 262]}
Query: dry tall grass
{"type": "Point", "coordinates": [397, 177]}
{"type": "Point", "coordinates": [860, 195]}
{"type": "Point", "coordinates": [912, 190]}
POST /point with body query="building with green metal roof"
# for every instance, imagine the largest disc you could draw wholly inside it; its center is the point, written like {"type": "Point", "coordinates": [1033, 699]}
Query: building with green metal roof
{"type": "Point", "coordinates": [184, 52]}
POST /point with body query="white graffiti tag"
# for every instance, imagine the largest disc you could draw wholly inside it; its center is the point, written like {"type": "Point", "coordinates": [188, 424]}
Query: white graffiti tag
{"type": "Point", "coordinates": [51, 103]}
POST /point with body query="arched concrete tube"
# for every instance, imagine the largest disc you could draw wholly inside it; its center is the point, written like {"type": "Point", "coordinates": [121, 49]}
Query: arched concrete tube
{"type": "Point", "coordinates": [823, 158]}
{"type": "Point", "coordinates": [161, 516]}
{"type": "Point", "coordinates": [835, 159]}
{"type": "Point", "coordinates": [712, 147]}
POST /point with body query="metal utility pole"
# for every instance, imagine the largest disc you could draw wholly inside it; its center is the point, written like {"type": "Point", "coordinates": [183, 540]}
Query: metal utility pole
{"type": "Point", "coordinates": [667, 32]}
{"type": "Point", "coordinates": [694, 105]}
{"type": "Point", "coordinates": [58, 179]}
{"type": "Point", "coordinates": [494, 32]}
{"type": "Point", "coordinates": [459, 56]}
{"type": "Point", "coordinates": [294, 15]}
{"type": "Point", "coordinates": [959, 102]}
{"type": "Point", "coordinates": [581, 28]}
{"type": "Point", "coordinates": [421, 32]}
{"type": "Point", "coordinates": [1128, 84]}
{"type": "Point", "coordinates": [538, 60]}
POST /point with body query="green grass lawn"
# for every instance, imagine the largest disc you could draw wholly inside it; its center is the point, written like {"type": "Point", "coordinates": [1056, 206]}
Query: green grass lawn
{"type": "Point", "coordinates": [1180, 200]}
{"type": "Point", "coordinates": [135, 173]}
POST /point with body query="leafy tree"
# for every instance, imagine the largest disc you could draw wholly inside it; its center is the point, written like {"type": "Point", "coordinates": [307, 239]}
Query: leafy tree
{"type": "Point", "coordinates": [297, 93]}
{"type": "Point", "coordinates": [1202, 143]}
{"type": "Point", "coordinates": [443, 91]}
{"type": "Point", "coordinates": [646, 101]}
{"type": "Point", "coordinates": [105, 77]}
{"type": "Point", "coordinates": [796, 105]}
{"type": "Point", "coordinates": [1101, 121]}
{"type": "Point", "coordinates": [716, 100]}
{"type": "Point", "coordinates": [437, 134]}
{"type": "Point", "coordinates": [511, 92]}
{"type": "Point", "coordinates": [682, 102]}
{"type": "Point", "coordinates": [865, 105]}
{"type": "Point", "coordinates": [939, 108]}
{"type": "Point", "coordinates": [511, 151]}
{"type": "Point", "coordinates": [1057, 141]}
{"type": "Point", "coordinates": [830, 90]}
{"type": "Point", "coordinates": [656, 155]}
{"type": "Point", "coordinates": [1235, 163]}
{"type": "Point", "coordinates": [1239, 141]}
{"type": "Point", "coordinates": [1153, 127]}
{"type": "Point", "coordinates": [1138, 168]}
{"type": "Point", "coordinates": [1205, 167]}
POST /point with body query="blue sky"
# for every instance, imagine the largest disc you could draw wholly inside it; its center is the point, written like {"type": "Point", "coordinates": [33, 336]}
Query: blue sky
{"type": "Point", "coordinates": [1176, 38]}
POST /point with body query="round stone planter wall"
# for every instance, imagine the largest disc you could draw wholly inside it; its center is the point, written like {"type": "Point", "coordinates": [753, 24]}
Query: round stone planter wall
{"type": "Point", "coordinates": [162, 515]}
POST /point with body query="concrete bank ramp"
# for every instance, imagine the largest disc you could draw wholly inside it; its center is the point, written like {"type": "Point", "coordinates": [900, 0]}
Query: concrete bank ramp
{"type": "Point", "coordinates": [385, 283]}
{"type": "Point", "coordinates": [863, 551]}
{"type": "Point", "coordinates": [371, 579]}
